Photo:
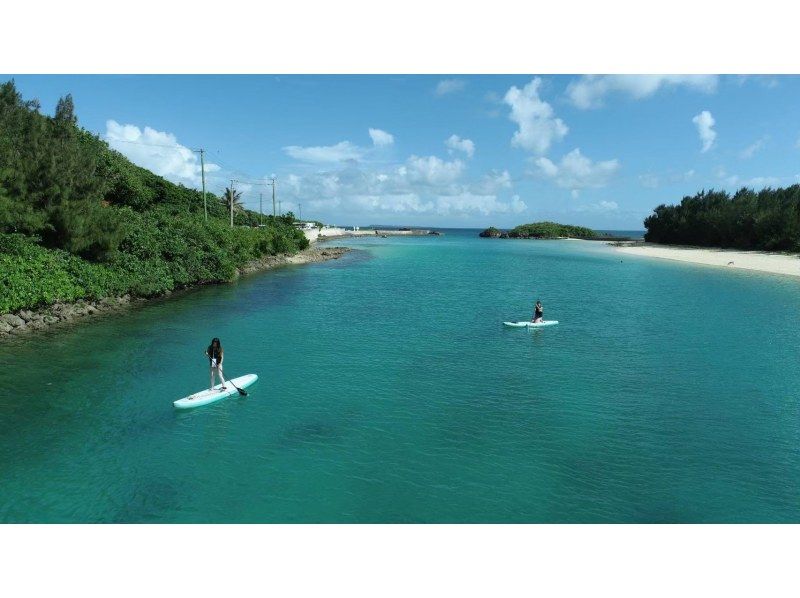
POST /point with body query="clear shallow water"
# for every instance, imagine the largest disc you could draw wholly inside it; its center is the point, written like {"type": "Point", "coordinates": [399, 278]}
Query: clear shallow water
{"type": "Point", "coordinates": [390, 392]}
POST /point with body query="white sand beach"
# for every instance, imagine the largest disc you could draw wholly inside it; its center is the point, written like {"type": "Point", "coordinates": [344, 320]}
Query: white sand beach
{"type": "Point", "coordinates": [775, 263]}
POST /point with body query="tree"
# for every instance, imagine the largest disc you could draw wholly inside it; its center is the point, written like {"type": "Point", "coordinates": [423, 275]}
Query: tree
{"type": "Point", "coordinates": [769, 219]}
{"type": "Point", "coordinates": [48, 170]}
{"type": "Point", "coordinates": [231, 195]}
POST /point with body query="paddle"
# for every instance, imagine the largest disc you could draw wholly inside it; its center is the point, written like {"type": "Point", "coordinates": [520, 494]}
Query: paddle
{"type": "Point", "coordinates": [242, 391]}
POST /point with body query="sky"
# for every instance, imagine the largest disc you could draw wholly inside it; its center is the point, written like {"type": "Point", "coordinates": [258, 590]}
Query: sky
{"type": "Point", "coordinates": [449, 151]}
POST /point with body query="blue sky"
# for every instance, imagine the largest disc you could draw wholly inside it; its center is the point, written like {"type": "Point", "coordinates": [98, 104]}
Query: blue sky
{"type": "Point", "coordinates": [462, 151]}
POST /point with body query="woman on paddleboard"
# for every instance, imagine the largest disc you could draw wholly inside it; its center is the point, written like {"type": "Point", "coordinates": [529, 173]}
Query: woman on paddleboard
{"type": "Point", "coordinates": [538, 313]}
{"type": "Point", "coordinates": [215, 356]}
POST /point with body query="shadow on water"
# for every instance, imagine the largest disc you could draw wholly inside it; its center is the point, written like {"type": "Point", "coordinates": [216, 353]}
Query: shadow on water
{"type": "Point", "coordinates": [310, 432]}
{"type": "Point", "coordinates": [148, 500]}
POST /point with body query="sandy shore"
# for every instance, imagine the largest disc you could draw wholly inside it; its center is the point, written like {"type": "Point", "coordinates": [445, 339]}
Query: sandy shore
{"type": "Point", "coordinates": [774, 263]}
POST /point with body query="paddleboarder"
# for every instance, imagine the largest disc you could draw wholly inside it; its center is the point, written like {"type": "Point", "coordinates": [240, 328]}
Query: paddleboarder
{"type": "Point", "coordinates": [215, 356]}
{"type": "Point", "coordinates": [538, 312]}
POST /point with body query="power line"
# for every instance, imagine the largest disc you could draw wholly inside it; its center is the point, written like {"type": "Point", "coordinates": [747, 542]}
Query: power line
{"type": "Point", "coordinates": [246, 178]}
{"type": "Point", "coordinates": [175, 146]}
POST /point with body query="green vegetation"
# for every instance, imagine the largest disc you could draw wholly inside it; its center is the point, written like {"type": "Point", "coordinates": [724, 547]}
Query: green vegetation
{"type": "Point", "coordinates": [768, 220]}
{"type": "Point", "coordinates": [80, 221]}
{"type": "Point", "coordinates": [550, 230]}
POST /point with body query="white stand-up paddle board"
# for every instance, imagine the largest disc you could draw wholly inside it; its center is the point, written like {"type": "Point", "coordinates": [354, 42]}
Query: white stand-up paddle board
{"type": "Point", "coordinates": [212, 395]}
{"type": "Point", "coordinates": [531, 324]}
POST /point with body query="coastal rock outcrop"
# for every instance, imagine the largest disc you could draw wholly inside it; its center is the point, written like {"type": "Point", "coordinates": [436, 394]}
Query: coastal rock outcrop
{"type": "Point", "coordinates": [13, 320]}
{"type": "Point", "coordinates": [491, 233]}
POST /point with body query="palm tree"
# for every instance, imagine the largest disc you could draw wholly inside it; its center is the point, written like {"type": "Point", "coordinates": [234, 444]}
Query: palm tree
{"type": "Point", "coordinates": [235, 197]}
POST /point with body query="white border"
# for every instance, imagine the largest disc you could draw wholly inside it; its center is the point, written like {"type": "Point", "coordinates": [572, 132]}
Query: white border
{"type": "Point", "coordinates": [398, 560]}
{"type": "Point", "coordinates": [413, 36]}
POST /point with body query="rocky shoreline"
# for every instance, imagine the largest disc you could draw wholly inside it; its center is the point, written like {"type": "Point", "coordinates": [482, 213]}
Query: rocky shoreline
{"type": "Point", "coordinates": [27, 321]}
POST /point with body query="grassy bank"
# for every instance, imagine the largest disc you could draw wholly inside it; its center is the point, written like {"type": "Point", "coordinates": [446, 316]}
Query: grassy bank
{"type": "Point", "coordinates": [80, 221]}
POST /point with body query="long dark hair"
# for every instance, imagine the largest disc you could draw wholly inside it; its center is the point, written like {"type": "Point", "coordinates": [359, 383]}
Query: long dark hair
{"type": "Point", "coordinates": [211, 347]}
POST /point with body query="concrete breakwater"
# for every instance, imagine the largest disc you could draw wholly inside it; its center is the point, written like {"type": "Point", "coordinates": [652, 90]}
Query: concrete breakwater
{"type": "Point", "coordinates": [336, 232]}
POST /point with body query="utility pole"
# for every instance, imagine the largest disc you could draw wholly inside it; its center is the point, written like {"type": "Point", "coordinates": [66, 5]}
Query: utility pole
{"type": "Point", "coordinates": [203, 175]}
{"type": "Point", "coordinates": [261, 208]}
{"type": "Point", "coordinates": [280, 209]}
{"type": "Point", "coordinates": [273, 197]}
{"type": "Point", "coordinates": [300, 211]}
{"type": "Point", "coordinates": [230, 199]}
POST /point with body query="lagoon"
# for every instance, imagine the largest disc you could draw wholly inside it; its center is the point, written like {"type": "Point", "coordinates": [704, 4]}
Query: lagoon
{"type": "Point", "coordinates": [389, 391]}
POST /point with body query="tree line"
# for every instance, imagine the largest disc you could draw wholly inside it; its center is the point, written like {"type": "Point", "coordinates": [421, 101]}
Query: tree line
{"type": "Point", "coordinates": [768, 220]}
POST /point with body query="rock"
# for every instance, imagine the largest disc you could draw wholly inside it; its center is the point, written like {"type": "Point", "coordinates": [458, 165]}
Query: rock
{"type": "Point", "coordinates": [26, 315]}
{"type": "Point", "coordinates": [20, 329]}
{"type": "Point", "coordinates": [37, 325]}
{"type": "Point", "coordinates": [37, 317]}
{"type": "Point", "coordinates": [13, 320]}
{"type": "Point", "coordinates": [91, 309]}
{"type": "Point", "coordinates": [491, 233]}
{"type": "Point", "coordinates": [49, 319]}
{"type": "Point", "coordinates": [5, 327]}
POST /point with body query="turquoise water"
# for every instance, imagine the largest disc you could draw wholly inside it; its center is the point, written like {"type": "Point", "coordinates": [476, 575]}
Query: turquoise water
{"type": "Point", "coordinates": [390, 392]}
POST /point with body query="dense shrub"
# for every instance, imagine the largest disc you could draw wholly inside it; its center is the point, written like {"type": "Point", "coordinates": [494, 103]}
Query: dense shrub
{"type": "Point", "coordinates": [79, 220]}
{"type": "Point", "coordinates": [31, 275]}
{"type": "Point", "coordinates": [550, 230]}
{"type": "Point", "coordinates": [769, 219]}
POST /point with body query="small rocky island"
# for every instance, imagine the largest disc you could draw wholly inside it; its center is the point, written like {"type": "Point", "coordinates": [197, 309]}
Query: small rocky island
{"type": "Point", "coordinates": [548, 230]}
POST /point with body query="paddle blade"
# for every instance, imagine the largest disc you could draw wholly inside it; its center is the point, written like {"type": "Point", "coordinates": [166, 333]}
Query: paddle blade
{"type": "Point", "coordinates": [242, 392]}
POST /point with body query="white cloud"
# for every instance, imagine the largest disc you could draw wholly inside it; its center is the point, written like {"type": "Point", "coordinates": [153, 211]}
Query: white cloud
{"type": "Point", "coordinates": [446, 86]}
{"type": "Point", "coordinates": [482, 204]}
{"type": "Point", "coordinates": [590, 90]}
{"type": "Point", "coordinates": [766, 81]}
{"type": "Point", "coordinates": [432, 170]}
{"type": "Point", "coordinates": [537, 125]}
{"type": "Point", "coordinates": [760, 182]}
{"type": "Point", "coordinates": [650, 181]}
{"type": "Point", "coordinates": [420, 185]}
{"type": "Point", "coordinates": [397, 202]}
{"type": "Point", "coordinates": [381, 138]}
{"type": "Point", "coordinates": [654, 181]}
{"type": "Point", "coordinates": [493, 182]}
{"type": "Point", "coordinates": [757, 183]}
{"type": "Point", "coordinates": [342, 151]}
{"type": "Point", "coordinates": [157, 151]}
{"type": "Point", "coordinates": [705, 129]}
{"type": "Point", "coordinates": [601, 207]}
{"type": "Point", "coordinates": [455, 143]}
{"type": "Point", "coordinates": [752, 149]}
{"type": "Point", "coordinates": [575, 171]}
